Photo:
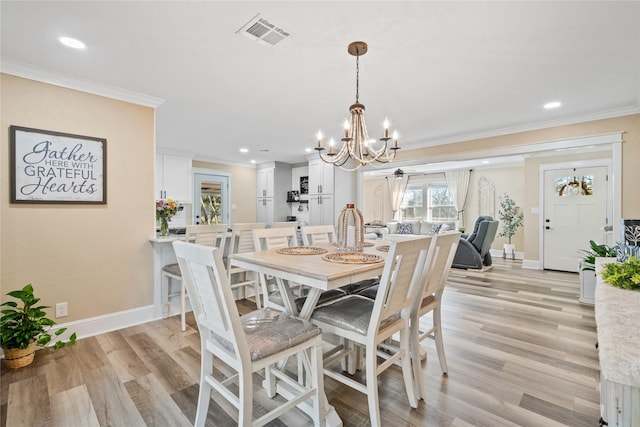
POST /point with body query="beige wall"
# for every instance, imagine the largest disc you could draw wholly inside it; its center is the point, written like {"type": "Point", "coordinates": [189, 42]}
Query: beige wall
{"type": "Point", "coordinates": [243, 183]}
{"type": "Point", "coordinates": [630, 125]}
{"type": "Point", "coordinates": [96, 257]}
{"type": "Point", "coordinates": [508, 180]}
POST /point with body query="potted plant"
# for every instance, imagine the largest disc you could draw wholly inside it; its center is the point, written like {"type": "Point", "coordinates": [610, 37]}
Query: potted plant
{"type": "Point", "coordinates": [26, 326]}
{"type": "Point", "coordinates": [511, 218]}
{"type": "Point", "coordinates": [587, 269]}
{"type": "Point", "coordinates": [625, 275]}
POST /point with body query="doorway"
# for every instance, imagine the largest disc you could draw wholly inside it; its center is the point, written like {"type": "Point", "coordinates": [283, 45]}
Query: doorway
{"type": "Point", "coordinates": [211, 201]}
{"type": "Point", "coordinates": [576, 207]}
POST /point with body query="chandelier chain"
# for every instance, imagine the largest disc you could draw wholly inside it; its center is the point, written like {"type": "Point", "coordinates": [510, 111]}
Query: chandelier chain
{"type": "Point", "coordinates": [358, 79]}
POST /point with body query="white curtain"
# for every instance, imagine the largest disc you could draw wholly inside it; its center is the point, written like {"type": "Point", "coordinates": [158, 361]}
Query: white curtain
{"type": "Point", "coordinates": [458, 186]}
{"type": "Point", "coordinates": [397, 186]}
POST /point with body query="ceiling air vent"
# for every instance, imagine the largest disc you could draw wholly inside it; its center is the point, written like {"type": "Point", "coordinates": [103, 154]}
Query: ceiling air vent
{"type": "Point", "coordinates": [264, 31]}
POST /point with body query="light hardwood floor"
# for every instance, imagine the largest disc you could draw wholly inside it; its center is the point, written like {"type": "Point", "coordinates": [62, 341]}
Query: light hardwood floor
{"type": "Point", "coordinates": [519, 346]}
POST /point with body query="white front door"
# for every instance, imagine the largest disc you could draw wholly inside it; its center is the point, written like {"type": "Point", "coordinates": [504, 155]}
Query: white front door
{"type": "Point", "coordinates": [575, 210]}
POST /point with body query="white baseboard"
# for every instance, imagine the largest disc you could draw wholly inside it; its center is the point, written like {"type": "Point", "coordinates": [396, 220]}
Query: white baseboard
{"type": "Point", "coordinates": [532, 264]}
{"type": "Point", "coordinates": [97, 325]}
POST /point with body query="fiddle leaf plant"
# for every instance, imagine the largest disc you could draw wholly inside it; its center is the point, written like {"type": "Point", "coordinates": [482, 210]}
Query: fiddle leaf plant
{"type": "Point", "coordinates": [589, 256]}
{"type": "Point", "coordinates": [20, 325]}
{"type": "Point", "coordinates": [510, 216]}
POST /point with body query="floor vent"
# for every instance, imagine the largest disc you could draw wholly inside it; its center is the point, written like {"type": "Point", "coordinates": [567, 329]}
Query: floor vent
{"type": "Point", "coordinates": [263, 31]}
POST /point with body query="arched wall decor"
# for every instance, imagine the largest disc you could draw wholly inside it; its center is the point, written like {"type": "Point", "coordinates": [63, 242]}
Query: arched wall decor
{"type": "Point", "coordinates": [486, 196]}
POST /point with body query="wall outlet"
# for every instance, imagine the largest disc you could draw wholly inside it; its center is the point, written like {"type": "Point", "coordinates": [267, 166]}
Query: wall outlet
{"type": "Point", "coordinates": [62, 309]}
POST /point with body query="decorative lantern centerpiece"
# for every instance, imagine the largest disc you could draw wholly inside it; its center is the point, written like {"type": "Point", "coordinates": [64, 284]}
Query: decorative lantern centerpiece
{"type": "Point", "coordinates": [350, 229]}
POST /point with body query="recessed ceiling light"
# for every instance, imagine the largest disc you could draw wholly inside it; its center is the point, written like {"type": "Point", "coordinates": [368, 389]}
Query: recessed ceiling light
{"type": "Point", "coordinates": [308, 150]}
{"type": "Point", "coordinates": [551, 105]}
{"type": "Point", "coordinates": [244, 150]}
{"type": "Point", "coordinates": [73, 43]}
{"type": "Point", "coordinates": [253, 161]}
{"type": "Point", "coordinates": [485, 162]}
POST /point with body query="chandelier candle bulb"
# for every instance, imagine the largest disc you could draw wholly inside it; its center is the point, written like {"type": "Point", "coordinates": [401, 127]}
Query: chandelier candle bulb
{"type": "Point", "coordinates": [331, 144]}
{"type": "Point", "coordinates": [386, 128]}
{"type": "Point", "coordinates": [346, 129]}
{"type": "Point", "coordinates": [319, 140]}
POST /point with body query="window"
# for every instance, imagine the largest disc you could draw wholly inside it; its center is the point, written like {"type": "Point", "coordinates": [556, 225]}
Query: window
{"type": "Point", "coordinates": [438, 207]}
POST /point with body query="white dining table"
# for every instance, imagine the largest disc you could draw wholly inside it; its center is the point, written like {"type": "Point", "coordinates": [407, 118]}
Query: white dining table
{"type": "Point", "coordinates": [313, 271]}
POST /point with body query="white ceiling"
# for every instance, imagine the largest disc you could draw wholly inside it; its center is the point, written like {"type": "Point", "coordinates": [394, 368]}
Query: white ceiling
{"type": "Point", "coordinates": [441, 71]}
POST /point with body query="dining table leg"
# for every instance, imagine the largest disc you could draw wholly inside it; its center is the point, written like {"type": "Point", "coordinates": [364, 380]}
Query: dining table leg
{"type": "Point", "coordinates": [332, 419]}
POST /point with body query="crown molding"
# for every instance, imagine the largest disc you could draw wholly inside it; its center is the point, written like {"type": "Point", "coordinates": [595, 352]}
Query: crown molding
{"type": "Point", "coordinates": [601, 115]}
{"type": "Point", "coordinates": [28, 71]}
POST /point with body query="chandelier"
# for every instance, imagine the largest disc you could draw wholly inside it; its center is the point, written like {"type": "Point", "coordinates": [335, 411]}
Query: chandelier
{"type": "Point", "coordinates": [357, 149]}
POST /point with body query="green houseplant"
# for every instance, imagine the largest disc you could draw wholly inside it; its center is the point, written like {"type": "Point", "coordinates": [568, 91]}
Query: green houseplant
{"type": "Point", "coordinates": [25, 326]}
{"type": "Point", "coordinates": [596, 250]}
{"type": "Point", "coordinates": [511, 218]}
{"type": "Point", "coordinates": [625, 275]}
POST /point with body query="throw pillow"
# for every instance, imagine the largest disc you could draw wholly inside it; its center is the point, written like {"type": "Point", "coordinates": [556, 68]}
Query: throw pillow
{"type": "Point", "coordinates": [435, 229]}
{"type": "Point", "coordinates": [445, 227]}
{"type": "Point", "coordinates": [403, 228]}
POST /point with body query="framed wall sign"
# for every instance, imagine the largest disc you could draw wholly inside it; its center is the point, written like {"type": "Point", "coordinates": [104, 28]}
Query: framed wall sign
{"type": "Point", "coordinates": [55, 167]}
{"type": "Point", "coordinates": [304, 185]}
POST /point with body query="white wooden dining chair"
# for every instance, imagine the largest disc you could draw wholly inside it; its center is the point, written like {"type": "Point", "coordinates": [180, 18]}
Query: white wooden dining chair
{"type": "Point", "coordinates": [436, 272]}
{"type": "Point", "coordinates": [272, 238]}
{"type": "Point", "coordinates": [209, 235]}
{"type": "Point", "coordinates": [366, 323]}
{"type": "Point", "coordinates": [314, 234]}
{"type": "Point", "coordinates": [242, 241]}
{"type": "Point", "coordinates": [247, 344]}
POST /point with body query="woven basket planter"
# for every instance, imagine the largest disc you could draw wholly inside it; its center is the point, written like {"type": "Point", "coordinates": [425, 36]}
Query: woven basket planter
{"type": "Point", "coordinates": [15, 358]}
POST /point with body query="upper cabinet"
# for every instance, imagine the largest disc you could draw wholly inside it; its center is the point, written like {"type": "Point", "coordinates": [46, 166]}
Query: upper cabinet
{"type": "Point", "coordinates": [174, 178]}
{"type": "Point", "coordinates": [330, 189]}
{"type": "Point", "coordinates": [321, 176]}
{"type": "Point", "coordinates": [265, 176]}
{"type": "Point", "coordinates": [273, 182]}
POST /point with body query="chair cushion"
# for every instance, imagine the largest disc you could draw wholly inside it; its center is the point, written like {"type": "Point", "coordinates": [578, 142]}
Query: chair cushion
{"type": "Point", "coordinates": [369, 292]}
{"type": "Point", "coordinates": [325, 297]}
{"type": "Point", "coordinates": [270, 331]}
{"type": "Point", "coordinates": [351, 313]}
{"type": "Point", "coordinates": [404, 228]}
{"type": "Point", "coordinates": [356, 288]}
{"type": "Point", "coordinates": [172, 269]}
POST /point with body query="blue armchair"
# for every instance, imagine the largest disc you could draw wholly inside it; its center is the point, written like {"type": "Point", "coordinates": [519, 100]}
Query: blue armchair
{"type": "Point", "coordinates": [474, 249]}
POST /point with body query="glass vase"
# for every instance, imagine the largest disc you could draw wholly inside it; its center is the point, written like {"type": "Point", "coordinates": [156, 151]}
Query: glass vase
{"type": "Point", "coordinates": [350, 229]}
{"type": "Point", "coordinates": [164, 227]}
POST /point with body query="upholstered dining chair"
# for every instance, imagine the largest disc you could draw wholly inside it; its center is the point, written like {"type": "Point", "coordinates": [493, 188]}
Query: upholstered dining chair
{"type": "Point", "coordinates": [314, 234]}
{"type": "Point", "coordinates": [436, 271]}
{"type": "Point", "coordinates": [209, 235]}
{"type": "Point", "coordinates": [247, 344]}
{"type": "Point", "coordinates": [362, 322]}
{"type": "Point", "coordinates": [242, 241]}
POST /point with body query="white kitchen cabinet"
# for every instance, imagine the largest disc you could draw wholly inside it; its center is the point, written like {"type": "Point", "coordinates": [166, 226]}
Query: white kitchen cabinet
{"type": "Point", "coordinates": [322, 209]}
{"type": "Point", "coordinates": [174, 178]}
{"type": "Point", "coordinates": [330, 189]}
{"type": "Point", "coordinates": [265, 181]}
{"type": "Point", "coordinates": [273, 182]}
{"type": "Point", "coordinates": [264, 210]}
{"type": "Point", "coordinates": [321, 177]}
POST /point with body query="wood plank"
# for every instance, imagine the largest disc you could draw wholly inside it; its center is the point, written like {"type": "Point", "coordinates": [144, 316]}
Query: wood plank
{"type": "Point", "coordinates": [73, 407]}
{"type": "Point", "coordinates": [28, 403]}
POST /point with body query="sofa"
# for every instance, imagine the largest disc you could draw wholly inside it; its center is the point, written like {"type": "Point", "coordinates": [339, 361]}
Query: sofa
{"type": "Point", "coordinates": [416, 227]}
